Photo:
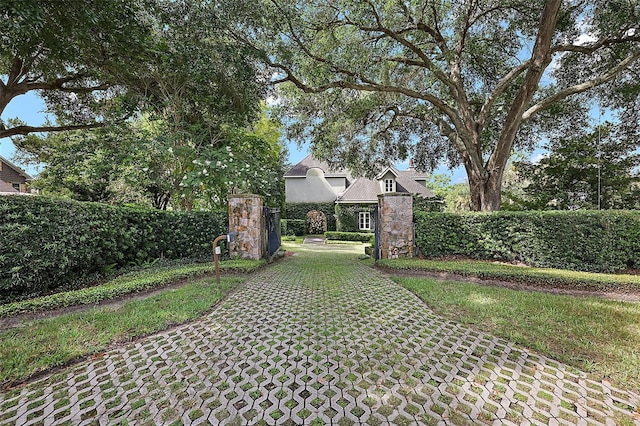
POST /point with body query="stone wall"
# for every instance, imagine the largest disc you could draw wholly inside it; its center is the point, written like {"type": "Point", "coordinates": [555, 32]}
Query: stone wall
{"type": "Point", "coordinates": [395, 217]}
{"type": "Point", "coordinates": [246, 217]}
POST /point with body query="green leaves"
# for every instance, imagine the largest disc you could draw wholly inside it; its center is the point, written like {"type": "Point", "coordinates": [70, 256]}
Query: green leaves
{"type": "Point", "coordinates": [604, 241]}
{"type": "Point", "coordinates": [52, 244]}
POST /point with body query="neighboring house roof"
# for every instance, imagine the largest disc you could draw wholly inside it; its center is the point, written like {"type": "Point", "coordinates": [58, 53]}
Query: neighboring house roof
{"type": "Point", "coordinates": [6, 188]}
{"type": "Point", "coordinates": [365, 190]}
{"type": "Point", "coordinates": [17, 169]}
{"type": "Point", "coordinates": [310, 162]}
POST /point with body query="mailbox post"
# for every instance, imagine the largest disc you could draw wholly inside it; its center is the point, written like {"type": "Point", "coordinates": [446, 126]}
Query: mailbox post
{"type": "Point", "coordinates": [216, 250]}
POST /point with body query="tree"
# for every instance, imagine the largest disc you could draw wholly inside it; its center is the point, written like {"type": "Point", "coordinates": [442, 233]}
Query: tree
{"type": "Point", "coordinates": [133, 164]}
{"type": "Point", "coordinates": [195, 94]}
{"type": "Point", "coordinates": [467, 81]}
{"type": "Point", "coordinates": [454, 195]}
{"type": "Point", "coordinates": [594, 170]}
{"type": "Point", "coordinates": [76, 56]}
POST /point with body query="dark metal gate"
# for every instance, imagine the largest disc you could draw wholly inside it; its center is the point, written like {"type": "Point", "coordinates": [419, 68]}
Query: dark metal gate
{"type": "Point", "coordinates": [272, 224]}
{"type": "Point", "coordinates": [376, 227]}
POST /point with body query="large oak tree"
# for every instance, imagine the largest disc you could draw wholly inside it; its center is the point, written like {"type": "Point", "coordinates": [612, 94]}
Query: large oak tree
{"type": "Point", "coordinates": [372, 81]}
{"type": "Point", "coordinates": [76, 55]}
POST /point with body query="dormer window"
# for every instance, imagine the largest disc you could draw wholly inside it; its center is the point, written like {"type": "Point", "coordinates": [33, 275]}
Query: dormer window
{"type": "Point", "coordinates": [389, 185]}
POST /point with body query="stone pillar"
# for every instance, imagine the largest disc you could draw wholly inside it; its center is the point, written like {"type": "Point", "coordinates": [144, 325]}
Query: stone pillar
{"type": "Point", "coordinates": [395, 216]}
{"type": "Point", "coordinates": [247, 219]}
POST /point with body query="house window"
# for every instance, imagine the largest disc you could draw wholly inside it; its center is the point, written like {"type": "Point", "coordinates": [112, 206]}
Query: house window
{"type": "Point", "coordinates": [364, 221]}
{"type": "Point", "coordinates": [16, 186]}
{"type": "Point", "coordinates": [389, 185]}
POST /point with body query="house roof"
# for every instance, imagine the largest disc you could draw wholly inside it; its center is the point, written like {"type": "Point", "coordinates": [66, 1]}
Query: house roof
{"type": "Point", "coordinates": [365, 190]}
{"type": "Point", "coordinates": [310, 162]}
{"type": "Point", "coordinates": [6, 188]}
{"type": "Point", "coordinates": [18, 170]}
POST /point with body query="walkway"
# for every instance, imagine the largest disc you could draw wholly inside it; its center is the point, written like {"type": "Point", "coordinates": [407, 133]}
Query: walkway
{"type": "Point", "coordinates": [319, 339]}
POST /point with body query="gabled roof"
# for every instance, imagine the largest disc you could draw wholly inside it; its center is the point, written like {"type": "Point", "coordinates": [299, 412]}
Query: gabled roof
{"type": "Point", "coordinates": [18, 170]}
{"type": "Point", "coordinates": [6, 188]}
{"type": "Point", "coordinates": [393, 171]}
{"type": "Point", "coordinates": [365, 190]}
{"type": "Point", "coordinates": [310, 162]}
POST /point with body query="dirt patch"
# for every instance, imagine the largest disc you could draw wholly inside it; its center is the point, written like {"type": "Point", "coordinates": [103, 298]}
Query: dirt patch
{"type": "Point", "coordinates": [630, 296]}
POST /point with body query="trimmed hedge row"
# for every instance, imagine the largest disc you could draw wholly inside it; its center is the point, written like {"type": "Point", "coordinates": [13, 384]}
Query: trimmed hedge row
{"type": "Point", "coordinates": [53, 244]}
{"type": "Point", "coordinates": [293, 227]}
{"type": "Point", "coordinates": [349, 236]}
{"type": "Point", "coordinates": [299, 211]}
{"type": "Point", "coordinates": [598, 241]}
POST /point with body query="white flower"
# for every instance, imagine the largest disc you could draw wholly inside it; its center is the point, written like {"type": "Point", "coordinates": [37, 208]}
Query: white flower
{"type": "Point", "coordinates": [207, 162]}
{"type": "Point", "coordinates": [204, 171]}
{"type": "Point", "coordinates": [218, 164]}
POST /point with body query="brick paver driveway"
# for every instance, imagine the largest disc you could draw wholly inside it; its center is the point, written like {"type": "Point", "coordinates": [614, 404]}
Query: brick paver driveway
{"type": "Point", "coordinates": [319, 339]}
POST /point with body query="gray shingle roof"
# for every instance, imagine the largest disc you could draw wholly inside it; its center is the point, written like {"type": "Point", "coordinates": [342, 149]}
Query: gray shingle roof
{"type": "Point", "coordinates": [365, 190]}
{"type": "Point", "coordinates": [6, 188]}
{"type": "Point", "coordinates": [310, 162]}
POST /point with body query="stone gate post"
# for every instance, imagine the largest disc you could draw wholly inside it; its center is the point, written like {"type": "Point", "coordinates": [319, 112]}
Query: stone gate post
{"type": "Point", "coordinates": [395, 227]}
{"type": "Point", "coordinates": [247, 219]}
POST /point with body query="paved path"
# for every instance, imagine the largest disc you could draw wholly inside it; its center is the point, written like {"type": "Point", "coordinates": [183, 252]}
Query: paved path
{"type": "Point", "coordinates": [319, 339]}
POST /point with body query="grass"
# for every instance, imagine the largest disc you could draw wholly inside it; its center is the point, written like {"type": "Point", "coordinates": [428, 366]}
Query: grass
{"type": "Point", "coordinates": [132, 282]}
{"type": "Point", "coordinates": [598, 336]}
{"type": "Point", "coordinates": [44, 344]}
{"type": "Point", "coordinates": [520, 274]}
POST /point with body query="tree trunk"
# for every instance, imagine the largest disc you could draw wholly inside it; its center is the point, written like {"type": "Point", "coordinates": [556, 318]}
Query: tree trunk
{"type": "Point", "coordinates": [485, 193]}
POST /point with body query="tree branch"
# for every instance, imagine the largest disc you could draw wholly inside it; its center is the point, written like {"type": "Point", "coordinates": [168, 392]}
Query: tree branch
{"type": "Point", "coordinates": [589, 49]}
{"type": "Point", "coordinates": [367, 87]}
{"type": "Point", "coordinates": [25, 130]}
{"type": "Point", "coordinates": [498, 90]}
{"type": "Point", "coordinates": [579, 88]}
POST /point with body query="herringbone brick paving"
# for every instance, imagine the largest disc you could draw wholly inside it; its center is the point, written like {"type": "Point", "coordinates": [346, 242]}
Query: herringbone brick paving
{"type": "Point", "coordinates": [300, 344]}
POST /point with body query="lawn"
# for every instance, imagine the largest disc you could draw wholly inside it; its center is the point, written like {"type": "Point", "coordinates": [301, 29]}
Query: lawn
{"type": "Point", "coordinates": [520, 274]}
{"type": "Point", "coordinates": [40, 345]}
{"type": "Point", "coordinates": [133, 282]}
{"type": "Point", "coordinates": [598, 336]}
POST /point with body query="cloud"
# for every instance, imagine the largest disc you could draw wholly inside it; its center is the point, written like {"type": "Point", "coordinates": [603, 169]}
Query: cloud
{"type": "Point", "coordinates": [584, 38]}
{"type": "Point", "coordinates": [536, 158]}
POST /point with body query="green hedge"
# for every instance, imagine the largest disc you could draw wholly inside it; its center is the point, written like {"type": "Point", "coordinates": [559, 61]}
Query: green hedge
{"type": "Point", "coordinates": [363, 237]}
{"type": "Point", "coordinates": [52, 244]}
{"type": "Point", "coordinates": [598, 241]}
{"type": "Point", "coordinates": [299, 211]}
{"type": "Point", "coordinates": [293, 227]}
{"type": "Point", "coordinates": [348, 216]}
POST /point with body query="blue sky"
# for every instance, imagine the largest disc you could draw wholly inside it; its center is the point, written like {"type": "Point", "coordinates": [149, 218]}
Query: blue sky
{"type": "Point", "coordinates": [30, 109]}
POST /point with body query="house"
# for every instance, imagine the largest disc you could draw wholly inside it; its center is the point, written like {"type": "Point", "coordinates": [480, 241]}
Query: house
{"type": "Point", "coordinates": [13, 180]}
{"type": "Point", "coordinates": [313, 181]}
{"type": "Point", "coordinates": [352, 200]}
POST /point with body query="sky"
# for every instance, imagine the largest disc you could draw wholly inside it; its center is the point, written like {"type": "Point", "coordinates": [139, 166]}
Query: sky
{"type": "Point", "coordinates": [30, 109]}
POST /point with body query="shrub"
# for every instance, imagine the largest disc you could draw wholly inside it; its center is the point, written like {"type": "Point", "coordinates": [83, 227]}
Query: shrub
{"type": "Point", "coordinates": [350, 236]}
{"type": "Point", "coordinates": [51, 244]}
{"type": "Point", "coordinates": [598, 241]}
{"type": "Point", "coordinates": [293, 226]}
